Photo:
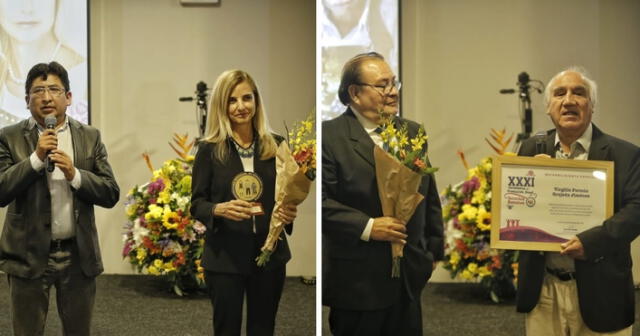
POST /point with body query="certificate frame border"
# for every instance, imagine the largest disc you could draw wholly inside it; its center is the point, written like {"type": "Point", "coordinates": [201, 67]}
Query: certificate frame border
{"type": "Point", "coordinates": [496, 189]}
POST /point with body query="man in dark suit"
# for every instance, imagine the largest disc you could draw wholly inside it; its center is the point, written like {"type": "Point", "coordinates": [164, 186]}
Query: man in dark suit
{"type": "Point", "coordinates": [357, 283]}
{"type": "Point", "coordinates": [587, 288]}
{"type": "Point", "coordinates": [49, 236]}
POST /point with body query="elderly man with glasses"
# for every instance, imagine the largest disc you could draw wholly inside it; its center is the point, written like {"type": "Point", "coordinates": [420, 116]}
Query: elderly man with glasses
{"type": "Point", "coordinates": [363, 297]}
{"type": "Point", "coordinates": [53, 170]}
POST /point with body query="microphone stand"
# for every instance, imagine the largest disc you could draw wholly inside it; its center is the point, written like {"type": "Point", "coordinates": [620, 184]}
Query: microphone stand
{"type": "Point", "coordinates": [201, 94]}
{"type": "Point", "coordinates": [526, 113]}
{"type": "Point", "coordinates": [525, 106]}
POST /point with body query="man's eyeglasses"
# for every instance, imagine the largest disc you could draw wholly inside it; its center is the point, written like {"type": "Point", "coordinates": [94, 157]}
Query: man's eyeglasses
{"type": "Point", "coordinates": [54, 91]}
{"type": "Point", "coordinates": [385, 89]}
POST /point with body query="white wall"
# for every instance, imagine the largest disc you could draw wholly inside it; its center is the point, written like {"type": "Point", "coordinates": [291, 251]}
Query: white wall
{"type": "Point", "coordinates": [456, 55]}
{"type": "Point", "coordinates": [147, 53]}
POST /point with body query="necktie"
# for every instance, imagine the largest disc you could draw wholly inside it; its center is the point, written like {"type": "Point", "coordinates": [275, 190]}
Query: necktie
{"type": "Point", "coordinates": [385, 145]}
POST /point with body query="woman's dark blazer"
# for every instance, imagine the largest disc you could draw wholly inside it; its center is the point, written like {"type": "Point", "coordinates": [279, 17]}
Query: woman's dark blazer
{"type": "Point", "coordinates": [230, 246]}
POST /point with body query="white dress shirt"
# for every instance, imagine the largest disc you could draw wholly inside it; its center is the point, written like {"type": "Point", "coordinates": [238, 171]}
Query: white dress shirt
{"type": "Point", "coordinates": [62, 215]}
{"type": "Point", "coordinates": [369, 127]}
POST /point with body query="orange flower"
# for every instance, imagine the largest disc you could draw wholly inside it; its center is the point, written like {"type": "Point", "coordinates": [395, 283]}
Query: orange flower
{"type": "Point", "coordinates": [419, 163]}
{"type": "Point", "coordinates": [497, 264]}
{"type": "Point", "coordinates": [180, 261]}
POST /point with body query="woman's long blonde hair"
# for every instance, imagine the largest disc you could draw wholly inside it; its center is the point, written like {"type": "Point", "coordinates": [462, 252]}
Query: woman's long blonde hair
{"type": "Point", "coordinates": [219, 126]}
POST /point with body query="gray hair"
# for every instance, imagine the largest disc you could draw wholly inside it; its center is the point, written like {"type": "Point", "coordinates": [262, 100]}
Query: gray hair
{"type": "Point", "coordinates": [591, 85]}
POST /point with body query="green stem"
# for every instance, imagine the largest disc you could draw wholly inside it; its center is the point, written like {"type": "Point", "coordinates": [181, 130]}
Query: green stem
{"type": "Point", "coordinates": [395, 267]}
{"type": "Point", "coordinates": [263, 258]}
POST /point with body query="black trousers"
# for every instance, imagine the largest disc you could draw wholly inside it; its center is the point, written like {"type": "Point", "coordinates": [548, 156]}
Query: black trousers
{"type": "Point", "coordinates": [263, 289]}
{"type": "Point", "coordinates": [404, 318]}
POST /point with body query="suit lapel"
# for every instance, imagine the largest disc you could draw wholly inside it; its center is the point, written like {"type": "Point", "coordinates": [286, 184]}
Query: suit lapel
{"type": "Point", "coordinates": [78, 142]}
{"type": "Point", "coordinates": [30, 135]}
{"type": "Point", "coordinates": [363, 145]}
{"type": "Point", "coordinates": [551, 143]}
{"type": "Point", "coordinates": [599, 149]}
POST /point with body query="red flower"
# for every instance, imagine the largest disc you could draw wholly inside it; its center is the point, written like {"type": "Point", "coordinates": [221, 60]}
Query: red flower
{"type": "Point", "coordinates": [180, 260]}
{"type": "Point", "coordinates": [419, 163]}
{"type": "Point", "coordinates": [302, 156]}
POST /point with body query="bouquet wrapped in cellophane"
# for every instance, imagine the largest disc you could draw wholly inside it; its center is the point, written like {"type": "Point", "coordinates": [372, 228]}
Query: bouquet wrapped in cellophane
{"type": "Point", "coordinates": [295, 170]}
{"type": "Point", "coordinates": [399, 170]}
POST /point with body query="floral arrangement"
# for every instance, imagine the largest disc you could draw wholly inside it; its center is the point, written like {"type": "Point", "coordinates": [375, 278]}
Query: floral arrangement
{"type": "Point", "coordinates": [302, 144]}
{"type": "Point", "coordinates": [408, 151]}
{"type": "Point", "coordinates": [467, 214]}
{"type": "Point", "coordinates": [295, 170]}
{"type": "Point", "coordinates": [160, 236]}
{"type": "Point", "coordinates": [400, 165]}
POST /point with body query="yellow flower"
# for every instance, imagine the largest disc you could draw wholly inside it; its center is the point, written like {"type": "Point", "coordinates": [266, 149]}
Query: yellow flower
{"type": "Point", "coordinates": [472, 267]}
{"type": "Point", "coordinates": [484, 271]}
{"type": "Point", "coordinates": [388, 132]}
{"type": "Point", "coordinates": [168, 266]}
{"type": "Point", "coordinates": [131, 210]}
{"type": "Point", "coordinates": [185, 184]}
{"type": "Point", "coordinates": [466, 274]}
{"type": "Point", "coordinates": [157, 173]}
{"type": "Point", "coordinates": [480, 220]}
{"type": "Point", "coordinates": [478, 196]}
{"type": "Point", "coordinates": [416, 144]}
{"type": "Point", "coordinates": [170, 219]}
{"type": "Point", "coordinates": [154, 213]}
{"type": "Point", "coordinates": [153, 270]}
{"type": "Point", "coordinates": [403, 140]}
{"type": "Point", "coordinates": [469, 213]}
{"type": "Point", "coordinates": [141, 253]}
{"type": "Point", "coordinates": [164, 196]}
{"type": "Point", "coordinates": [487, 165]}
{"type": "Point", "coordinates": [454, 258]}
{"type": "Point", "coordinates": [158, 263]}
{"type": "Point", "coordinates": [307, 125]}
{"type": "Point", "coordinates": [473, 172]}
{"type": "Point", "coordinates": [393, 143]}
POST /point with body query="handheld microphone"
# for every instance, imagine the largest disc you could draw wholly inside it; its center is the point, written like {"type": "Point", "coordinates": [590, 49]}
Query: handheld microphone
{"type": "Point", "coordinates": [541, 142]}
{"type": "Point", "coordinates": [50, 123]}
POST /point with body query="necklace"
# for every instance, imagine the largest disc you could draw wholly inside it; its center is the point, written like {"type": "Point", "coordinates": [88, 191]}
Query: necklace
{"type": "Point", "coordinates": [12, 74]}
{"type": "Point", "coordinates": [242, 151]}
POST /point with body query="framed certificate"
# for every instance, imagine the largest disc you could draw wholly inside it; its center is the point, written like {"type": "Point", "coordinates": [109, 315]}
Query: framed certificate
{"type": "Point", "coordinates": [539, 203]}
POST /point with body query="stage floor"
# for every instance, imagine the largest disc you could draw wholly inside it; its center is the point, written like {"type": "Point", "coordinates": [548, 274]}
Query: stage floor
{"type": "Point", "coordinates": [454, 309]}
{"type": "Point", "coordinates": [141, 305]}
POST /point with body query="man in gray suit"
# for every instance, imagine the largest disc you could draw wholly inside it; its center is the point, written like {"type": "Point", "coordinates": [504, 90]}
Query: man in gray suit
{"type": "Point", "coordinates": [51, 177]}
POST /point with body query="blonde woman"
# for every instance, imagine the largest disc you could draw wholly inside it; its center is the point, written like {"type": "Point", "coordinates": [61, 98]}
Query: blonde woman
{"type": "Point", "coordinates": [234, 169]}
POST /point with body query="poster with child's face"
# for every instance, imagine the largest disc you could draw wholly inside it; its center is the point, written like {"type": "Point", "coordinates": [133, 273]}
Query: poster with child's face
{"type": "Point", "coordinates": [42, 31]}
